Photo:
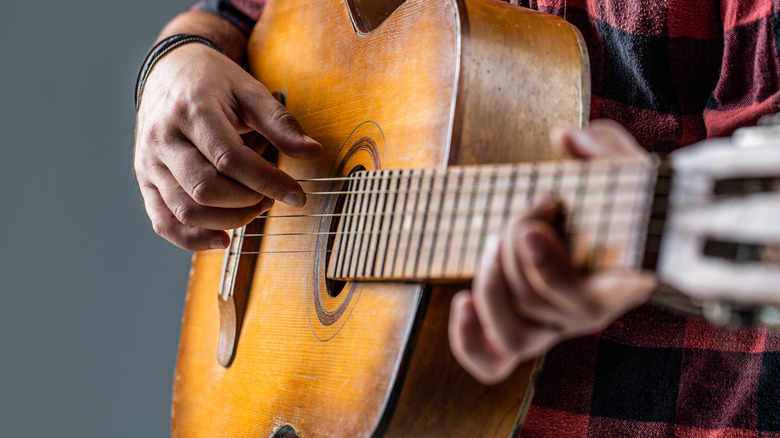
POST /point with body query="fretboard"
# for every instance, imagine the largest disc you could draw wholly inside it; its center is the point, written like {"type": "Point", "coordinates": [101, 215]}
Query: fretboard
{"type": "Point", "coordinates": [432, 224]}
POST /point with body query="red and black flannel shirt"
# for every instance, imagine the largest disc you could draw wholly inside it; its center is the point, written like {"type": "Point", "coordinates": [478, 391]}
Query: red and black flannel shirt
{"type": "Point", "coordinates": [673, 72]}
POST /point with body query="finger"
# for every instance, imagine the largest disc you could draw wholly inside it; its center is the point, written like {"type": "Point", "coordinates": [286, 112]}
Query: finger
{"type": "Point", "coordinates": [270, 118]}
{"type": "Point", "coordinates": [470, 344]}
{"type": "Point", "coordinates": [167, 226]}
{"type": "Point", "coordinates": [189, 212]}
{"type": "Point", "coordinates": [215, 137]}
{"type": "Point", "coordinates": [527, 301]}
{"type": "Point", "coordinates": [575, 302]}
{"type": "Point", "coordinates": [473, 349]}
{"type": "Point", "coordinates": [494, 301]}
{"type": "Point", "coordinates": [202, 182]}
{"type": "Point", "coordinates": [602, 139]}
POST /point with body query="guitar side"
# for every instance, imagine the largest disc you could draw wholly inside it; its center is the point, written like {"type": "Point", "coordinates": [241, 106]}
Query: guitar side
{"type": "Point", "coordinates": [425, 89]}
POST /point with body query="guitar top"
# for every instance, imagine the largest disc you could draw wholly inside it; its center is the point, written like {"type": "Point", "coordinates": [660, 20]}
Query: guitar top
{"type": "Point", "coordinates": [330, 320]}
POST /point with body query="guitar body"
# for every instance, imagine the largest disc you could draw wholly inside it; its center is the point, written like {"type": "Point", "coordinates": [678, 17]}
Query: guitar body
{"type": "Point", "coordinates": [433, 84]}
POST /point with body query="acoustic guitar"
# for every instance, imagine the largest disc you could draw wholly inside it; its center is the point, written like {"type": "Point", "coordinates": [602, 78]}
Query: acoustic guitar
{"type": "Point", "coordinates": [330, 320]}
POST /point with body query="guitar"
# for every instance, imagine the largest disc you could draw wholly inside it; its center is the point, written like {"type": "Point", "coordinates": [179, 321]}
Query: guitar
{"type": "Point", "coordinates": [331, 320]}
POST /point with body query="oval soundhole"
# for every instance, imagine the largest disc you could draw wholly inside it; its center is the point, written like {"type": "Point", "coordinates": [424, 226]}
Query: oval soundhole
{"type": "Point", "coordinates": [285, 431]}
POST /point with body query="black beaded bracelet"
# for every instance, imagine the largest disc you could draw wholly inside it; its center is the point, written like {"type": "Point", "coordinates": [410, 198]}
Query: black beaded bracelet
{"type": "Point", "coordinates": [162, 48]}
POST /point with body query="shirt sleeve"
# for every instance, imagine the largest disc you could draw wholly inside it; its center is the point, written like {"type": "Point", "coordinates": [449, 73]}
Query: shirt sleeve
{"type": "Point", "coordinates": [749, 82]}
{"type": "Point", "coordinates": [242, 13]}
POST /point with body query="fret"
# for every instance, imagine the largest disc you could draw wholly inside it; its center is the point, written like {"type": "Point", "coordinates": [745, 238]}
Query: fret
{"type": "Point", "coordinates": [470, 181]}
{"type": "Point", "coordinates": [399, 218]}
{"type": "Point", "coordinates": [407, 221]}
{"type": "Point", "coordinates": [600, 257]}
{"type": "Point", "coordinates": [643, 191]}
{"type": "Point", "coordinates": [414, 235]}
{"type": "Point", "coordinates": [381, 253]}
{"type": "Point", "coordinates": [490, 178]}
{"type": "Point", "coordinates": [432, 222]}
{"type": "Point", "coordinates": [509, 179]}
{"type": "Point", "coordinates": [393, 235]}
{"type": "Point", "coordinates": [428, 193]}
{"type": "Point", "coordinates": [351, 250]}
{"type": "Point", "coordinates": [451, 208]}
{"type": "Point", "coordinates": [342, 234]}
{"type": "Point", "coordinates": [366, 237]}
{"type": "Point", "coordinates": [557, 177]}
{"type": "Point", "coordinates": [531, 192]}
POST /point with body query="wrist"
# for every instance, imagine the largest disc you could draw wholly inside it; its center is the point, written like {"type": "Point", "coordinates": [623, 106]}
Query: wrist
{"type": "Point", "coordinates": [160, 50]}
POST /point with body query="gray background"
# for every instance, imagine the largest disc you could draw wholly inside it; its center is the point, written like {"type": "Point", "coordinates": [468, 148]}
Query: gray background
{"type": "Point", "coordinates": [91, 297]}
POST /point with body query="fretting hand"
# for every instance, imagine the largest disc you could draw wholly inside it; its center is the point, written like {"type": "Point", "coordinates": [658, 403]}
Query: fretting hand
{"type": "Point", "coordinates": [526, 296]}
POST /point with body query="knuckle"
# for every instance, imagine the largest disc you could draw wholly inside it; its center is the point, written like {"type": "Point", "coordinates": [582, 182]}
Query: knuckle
{"type": "Point", "coordinates": [225, 161]}
{"type": "Point", "coordinates": [185, 214]}
{"type": "Point", "coordinates": [281, 116]}
{"type": "Point", "coordinates": [162, 227]}
{"type": "Point", "coordinates": [203, 192]}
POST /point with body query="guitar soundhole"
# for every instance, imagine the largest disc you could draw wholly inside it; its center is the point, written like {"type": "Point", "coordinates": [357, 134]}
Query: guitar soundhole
{"type": "Point", "coordinates": [334, 287]}
{"type": "Point", "coordinates": [285, 431]}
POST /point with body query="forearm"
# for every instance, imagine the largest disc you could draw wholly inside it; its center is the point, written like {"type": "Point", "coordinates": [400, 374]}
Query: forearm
{"type": "Point", "coordinates": [224, 34]}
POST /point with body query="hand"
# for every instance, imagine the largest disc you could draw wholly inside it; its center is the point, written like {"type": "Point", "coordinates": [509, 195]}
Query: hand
{"type": "Point", "coordinates": [526, 296]}
{"type": "Point", "coordinates": [196, 175]}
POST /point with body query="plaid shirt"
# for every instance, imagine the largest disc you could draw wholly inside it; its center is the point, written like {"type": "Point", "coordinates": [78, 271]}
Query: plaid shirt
{"type": "Point", "coordinates": [673, 72]}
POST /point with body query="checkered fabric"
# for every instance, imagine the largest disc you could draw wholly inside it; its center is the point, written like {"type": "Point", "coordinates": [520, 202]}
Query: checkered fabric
{"type": "Point", "coordinates": [673, 72]}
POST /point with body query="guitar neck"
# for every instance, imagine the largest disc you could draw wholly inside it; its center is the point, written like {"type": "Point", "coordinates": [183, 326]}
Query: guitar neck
{"type": "Point", "coordinates": [432, 225]}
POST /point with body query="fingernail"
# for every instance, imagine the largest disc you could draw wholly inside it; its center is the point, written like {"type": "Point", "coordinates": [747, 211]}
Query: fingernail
{"type": "Point", "coordinates": [308, 139]}
{"type": "Point", "coordinates": [217, 244]}
{"type": "Point", "coordinates": [538, 247]}
{"type": "Point", "coordinates": [294, 199]}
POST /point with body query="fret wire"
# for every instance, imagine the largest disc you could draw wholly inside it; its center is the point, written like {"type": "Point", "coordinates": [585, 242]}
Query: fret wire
{"type": "Point", "coordinates": [509, 195]}
{"type": "Point", "coordinates": [346, 226]}
{"type": "Point", "coordinates": [557, 176]}
{"type": "Point", "coordinates": [532, 181]}
{"type": "Point", "coordinates": [434, 239]}
{"type": "Point", "coordinates": [366, 224]}
{"type": "Point", "coordinates": [485, 224]}
{"type": "Point", "coordinates": [401, 223]}
{"type": "Point", "coordinates": [352, 252]}
{"type": "Point", "coordinates": [644, 219]}
{"type": "Point", "coordinates": [412, 220]}
{"type": "Point", "coordinates": [423, 221]}
{"type": "Point", "coordinates": [448, 242]}
{"type": "Point", "coordinates": [389, 225]}
{"type": "Point", "coordinates": [603, 230]}
{"type": "Point", "coordinates": [377, 219]}
{"type": "Point", "coordinates": [578, 203]}
{"type": "Point", "coordinates": [464, 241]}
{"type": "Point", "coordinates": [376, 225]}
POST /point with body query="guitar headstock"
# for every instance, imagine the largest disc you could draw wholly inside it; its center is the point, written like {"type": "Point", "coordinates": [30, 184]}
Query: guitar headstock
{"type": "Point", "coordinates": [721, 241]}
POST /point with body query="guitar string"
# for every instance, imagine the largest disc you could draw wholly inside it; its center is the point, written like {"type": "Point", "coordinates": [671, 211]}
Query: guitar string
{"type": "Point", "coordinates": [387, 176]}
{"type": "Point", "coordinates": [411, 231]}
{"type": "Point", "coordinates": [455, 213]}
{"type": "Point", "coordinates": [528, 168]}
{"type": "Point", "coordinates": [565, 235]}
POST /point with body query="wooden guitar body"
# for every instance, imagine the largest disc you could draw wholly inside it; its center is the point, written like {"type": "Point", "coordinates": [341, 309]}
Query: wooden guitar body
{"type": "Point", "coordinates": [422, 84]}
